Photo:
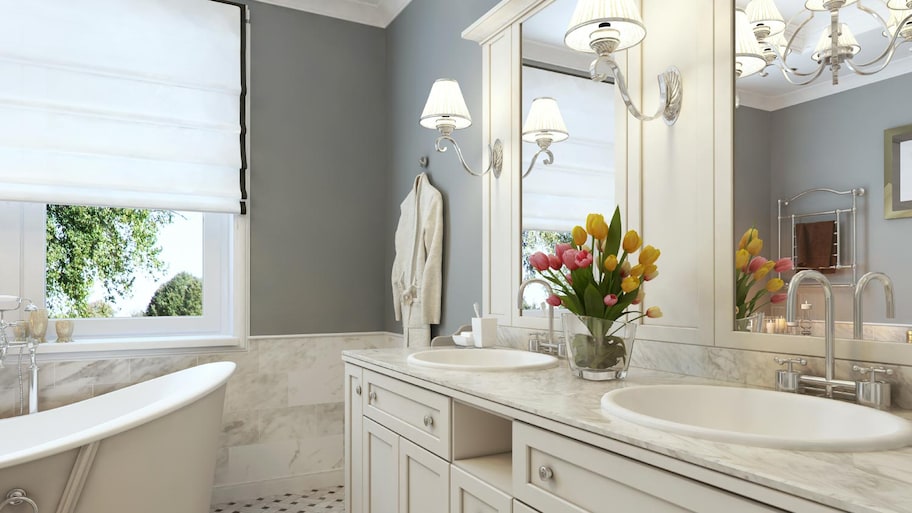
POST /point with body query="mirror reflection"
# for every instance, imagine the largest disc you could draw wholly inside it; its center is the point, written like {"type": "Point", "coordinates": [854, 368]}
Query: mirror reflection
{"type": "Point", "coordinates": [581, 178]}
{"type": "Point", "coordinates": [811, 115]}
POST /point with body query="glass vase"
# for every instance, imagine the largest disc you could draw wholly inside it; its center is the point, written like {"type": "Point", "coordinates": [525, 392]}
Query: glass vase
{"type": "Point", "coordinates": [751, 323]}
{"type": "Point", "coordinates": [598, 349]}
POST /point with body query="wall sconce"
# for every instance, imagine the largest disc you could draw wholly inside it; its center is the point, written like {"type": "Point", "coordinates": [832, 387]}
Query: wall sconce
{"type": "Point", "coordinates": [607, 26]}
{"type": "Point", "coordinates": [544, 126]}
{"type": "Point", "coordinates": [446, 111]}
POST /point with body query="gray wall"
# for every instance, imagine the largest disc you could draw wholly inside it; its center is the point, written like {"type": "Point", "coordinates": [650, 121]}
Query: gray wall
{"type": "Point", "coordinates": [752, 180]}
{"type": "Point", "coordinates": [837, 142]}
{"type": "Point", "coordinates": [318, 179]}
{"type": "Point", "coordinates": [424, 44]}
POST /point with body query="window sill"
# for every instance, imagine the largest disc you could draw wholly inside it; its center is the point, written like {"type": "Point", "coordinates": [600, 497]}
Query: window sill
{"type": "Point", "coordinates": [134, 346]}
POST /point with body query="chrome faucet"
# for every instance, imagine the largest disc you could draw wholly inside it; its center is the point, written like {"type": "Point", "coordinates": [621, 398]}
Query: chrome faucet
{"type": "Point", "coordinates": [29, 343]}
{"type": "Point", "coordinates": [858, 317]}
{"type": "Point", "coordinates": [551, 346]}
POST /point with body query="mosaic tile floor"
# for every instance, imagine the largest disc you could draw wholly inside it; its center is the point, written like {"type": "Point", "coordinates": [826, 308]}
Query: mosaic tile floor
{"type": "Point", "coordinates": [325, 500]}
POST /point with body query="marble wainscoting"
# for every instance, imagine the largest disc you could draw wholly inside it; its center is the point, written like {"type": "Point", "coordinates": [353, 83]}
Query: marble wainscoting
{"type": "Point", "coordinates": [283, 421]}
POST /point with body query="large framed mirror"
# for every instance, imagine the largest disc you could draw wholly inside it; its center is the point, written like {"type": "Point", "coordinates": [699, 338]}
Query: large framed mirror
{"type": "Point", "coordinates": [898, 172]}
{"type": "Point", "coordinates": [809, 161]}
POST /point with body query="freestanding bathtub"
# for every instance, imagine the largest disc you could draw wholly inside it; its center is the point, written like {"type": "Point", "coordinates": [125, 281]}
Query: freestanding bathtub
{"type": "Point", "coordinates": [147, 448]}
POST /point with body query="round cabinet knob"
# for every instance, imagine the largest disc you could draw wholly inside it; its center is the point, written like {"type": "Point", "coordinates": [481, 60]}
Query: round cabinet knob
{"type": "Point", "coordinates": [545, 473]}
{"type": "Point", "coordinates": [372, 396]}
{"type": "Point", "coordinates": [358, 389]}
{"type": "Point", "coordinates": [428, 421]}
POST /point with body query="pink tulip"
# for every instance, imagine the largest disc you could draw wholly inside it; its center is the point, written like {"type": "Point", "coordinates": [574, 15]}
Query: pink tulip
{"type": "Point", "coordinates": [553, 300]}
{"type": "Point", "coordinates": [569, 258]}
{"type": "Point", "coordinates": [539, 261]}
{"type": "Point", "coordinates": [554, 262]}
{"type": "Point", "coordinates": [560, 248]}
{"type": "Point", "coordinates": [569, 278]}
{"type": "Point", "coordinates": [583, 259]}
{"type": "Point", "coordinates": [756, 263]}
{"type": "Point", "coordinates": [783, 265]}
{"type": "Point", "coordinates": [611, 300]}
{"type": "Point", "coordinates": [779, 297]}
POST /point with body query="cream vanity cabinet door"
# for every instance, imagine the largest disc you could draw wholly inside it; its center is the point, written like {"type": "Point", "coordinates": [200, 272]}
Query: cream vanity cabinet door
{"type": "Point", "coordinates": [559, 475]}
{"type": "Point", "coordinates": [468, 494]}
{"type": "Point", "coordinates": [424, 480]}
{"type": "Point", "coordinates": [519, 507]}
{"type": "Point", "coordinates": [353, 438]}
{"type": "Point", "coordinates": [379, 469]}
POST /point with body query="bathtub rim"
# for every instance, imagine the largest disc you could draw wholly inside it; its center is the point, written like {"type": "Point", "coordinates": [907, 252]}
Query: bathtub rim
{"type": "Point", "coordinates": [216, 373]}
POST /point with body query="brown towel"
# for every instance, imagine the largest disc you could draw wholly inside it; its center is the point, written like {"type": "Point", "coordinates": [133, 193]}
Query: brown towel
{"type": "Point", "coordinates": [816, 246]}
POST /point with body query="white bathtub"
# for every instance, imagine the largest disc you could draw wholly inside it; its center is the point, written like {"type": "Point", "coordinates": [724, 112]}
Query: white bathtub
{"type": "Point", "coordinates": [147, 448]}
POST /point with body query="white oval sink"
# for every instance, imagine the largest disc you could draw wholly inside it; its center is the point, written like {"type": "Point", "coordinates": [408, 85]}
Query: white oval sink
{"type": "Point", "coordinates": [482, 359]}
{"type": "Point", "coordinates": [760, 418]}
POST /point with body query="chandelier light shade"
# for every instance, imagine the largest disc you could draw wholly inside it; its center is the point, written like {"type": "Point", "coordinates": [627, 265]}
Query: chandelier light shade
{"type": "Point", "coordinates": [544, 122]}
{"type": "Point", "coordinates": [896, 23]}
{"type": "Point", "coordinates": [765, 18]}
{"type": "Point", "coordinates": [827, 5]}
{"type": "Point", "coordinates": [899, 5]}
{"type": "Point", "coordinates": [748, 54]}
{"type": "Point", "coordinates": [846, 47]}
{"type": "Point", "coordinates": [617, 21]}
{"type": "Point", "coordinates": [445, 107]}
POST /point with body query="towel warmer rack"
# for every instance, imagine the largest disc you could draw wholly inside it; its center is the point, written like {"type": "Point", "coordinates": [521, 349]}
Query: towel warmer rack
{"type": "Point", "coordinates": [843, 261]}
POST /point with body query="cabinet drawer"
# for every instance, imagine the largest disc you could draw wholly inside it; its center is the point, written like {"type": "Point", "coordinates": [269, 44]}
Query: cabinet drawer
{"type": "Point", "coordinates": [417, 414]}
{"type": "Point", "coordinates": [468, 494]}
{"type": "Point", "coordinates": [559, 475]}
{"type": "Point", "coordinates": [519, 507]}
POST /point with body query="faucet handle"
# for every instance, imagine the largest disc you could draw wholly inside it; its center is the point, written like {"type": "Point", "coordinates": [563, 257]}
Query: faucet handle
{"type": "Point", "coordinates": [873, 393]}
{"type": "Point", "coordinates": [874, 371]}
{"type": "Point", "coordinates": [789, 362]}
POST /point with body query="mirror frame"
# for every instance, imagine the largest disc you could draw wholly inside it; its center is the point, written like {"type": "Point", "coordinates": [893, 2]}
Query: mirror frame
{"type": "Point", "coordinates": [893, 207]}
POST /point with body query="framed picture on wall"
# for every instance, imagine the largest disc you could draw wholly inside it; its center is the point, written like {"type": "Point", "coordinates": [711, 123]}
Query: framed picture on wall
{"type": "Point", "coordinates": [898, 172]}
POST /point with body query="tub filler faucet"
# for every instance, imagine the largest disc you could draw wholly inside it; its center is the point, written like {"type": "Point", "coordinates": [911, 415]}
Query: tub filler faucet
{"type": "Point", "coordinates": [29, 343]}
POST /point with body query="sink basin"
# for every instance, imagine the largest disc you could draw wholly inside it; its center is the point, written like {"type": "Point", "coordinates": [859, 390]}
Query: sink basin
{"type": "Point", "coordinates": [760, 418]}
{"type": "Point", "coordinates": [482, 359]}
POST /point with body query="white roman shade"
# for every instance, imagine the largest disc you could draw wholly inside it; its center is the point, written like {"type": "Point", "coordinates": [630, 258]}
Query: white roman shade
{"type": "Point", "coordinates": [123, 103]}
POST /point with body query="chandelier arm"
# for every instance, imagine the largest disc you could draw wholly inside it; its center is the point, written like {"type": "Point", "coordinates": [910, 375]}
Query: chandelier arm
{"type": "Point", "coordinates": [886, 55]}
{"type": "Point", "coordinates": [876, 15]}
{"type": "Point", "coordinates": [495, 162]}
{"type": "Point", "coordinates": [813, 76]}
{"type": "Point", "coordinates": [670, 89]}
{"type": "Point", "coordinates": [788, 46]}
{"type": "Point", "coordinates": [547, 161]}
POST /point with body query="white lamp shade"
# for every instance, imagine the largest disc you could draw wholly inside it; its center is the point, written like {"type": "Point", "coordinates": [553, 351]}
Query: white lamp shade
{"type": "Point", "coordinates": [818, 5]}
{"type": "Point", "coordinates": [445, 105]}
{"type": "Point", "coordinates": [897, 17]}
{"type": "Point", "coordinates": [544, 122]}
{"type": "Point", "coordinates": [847, 44]}
{"type": "Point", "coordinates": [595, 19]}
{"type": "Point", "coordinates": [899, 5]}
{"type": "Point", "coordinates": [765, 13]}
{"type": "Point", "coordinates": [748, 54]}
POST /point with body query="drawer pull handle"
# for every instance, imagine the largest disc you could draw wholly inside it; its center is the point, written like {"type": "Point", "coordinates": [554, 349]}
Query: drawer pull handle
{"type": "Point", "coordinates": [428, 421]}
{"type": "Point", "coordinates": [372, 396]}
{"type": "Point", "coordinates": [358, 389]}
{"type": "Point", "coordinates": [545, 473]}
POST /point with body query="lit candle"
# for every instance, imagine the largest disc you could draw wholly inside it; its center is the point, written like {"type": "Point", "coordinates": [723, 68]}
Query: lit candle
{"type": "Point", "coordinates": [771, 326]}
{"type": "Point", "coordinates": [780, 325]}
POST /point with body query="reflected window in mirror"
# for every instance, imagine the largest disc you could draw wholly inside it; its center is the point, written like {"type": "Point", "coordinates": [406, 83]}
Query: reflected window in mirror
{"type": "Point", "coordinates": [581, 180]}
{"type": "Point", "coordinates": [794, 138]}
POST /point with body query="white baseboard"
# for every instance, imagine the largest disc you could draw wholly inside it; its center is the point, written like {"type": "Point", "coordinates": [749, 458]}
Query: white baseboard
{"type": "Point", "coordinates": [293, 484]}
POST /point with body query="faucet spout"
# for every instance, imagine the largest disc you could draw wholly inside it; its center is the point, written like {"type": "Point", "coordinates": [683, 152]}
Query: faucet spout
{"type": "Point", "coordinates": [829, 318]}
{"type": "Point", "coordinates": [858, 317]}
{"type": "Point", "coordinates": [519, 302]}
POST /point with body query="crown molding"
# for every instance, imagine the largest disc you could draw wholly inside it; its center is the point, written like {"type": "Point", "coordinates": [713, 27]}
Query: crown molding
{"type": "Point", "coordinates": [377, 13]}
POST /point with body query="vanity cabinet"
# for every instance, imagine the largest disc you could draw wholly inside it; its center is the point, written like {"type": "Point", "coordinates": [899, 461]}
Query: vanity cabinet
{"type": "Point", "coordinates": [469, 494]}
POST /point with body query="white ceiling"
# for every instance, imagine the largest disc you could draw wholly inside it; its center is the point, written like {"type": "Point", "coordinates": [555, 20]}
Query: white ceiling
{"type": "Point", "coordinates": [378, 13]}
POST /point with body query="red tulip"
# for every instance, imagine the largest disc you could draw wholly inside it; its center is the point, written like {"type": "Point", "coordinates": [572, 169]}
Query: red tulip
{"type": "Point", "coordinates": [554, 262]}
{"type": "Point", "coordinates": [539, 261]}
{"type": "Point", "coordinates": [560, 248]}
{"type": "Point", "coordinates": [779, 298]}
{"type": "Point", "coordinates": [756, 263]}
{"type": "Point", "coordinates": [569, 259]}
{"type": "Point", "coordinates": [783, 265]}
{"type": "Point", "coordinates": [553, 300]}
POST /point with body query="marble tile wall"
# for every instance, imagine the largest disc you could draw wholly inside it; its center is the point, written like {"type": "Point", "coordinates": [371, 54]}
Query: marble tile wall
{"type": "Point", "coordinates": [283, 420]}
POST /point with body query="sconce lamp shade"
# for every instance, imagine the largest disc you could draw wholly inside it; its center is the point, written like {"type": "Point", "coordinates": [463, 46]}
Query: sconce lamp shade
{"type": "Point", "coordinates": [846, 46]}
{"type": "Point", "coordinates": [605, 19]}
{"type": "Point", "coordinates": [445, 106]}
{"type": "Point", "coordinates": [765, 18]}
{"type": "Point", "coordinates": [824, 5]}
{"type": "Point", "coordinates": [544, 122]}
{"type": "Point", "coordinates": [899, 5]}
{"type": "Point", "coordinates": [748, 54]}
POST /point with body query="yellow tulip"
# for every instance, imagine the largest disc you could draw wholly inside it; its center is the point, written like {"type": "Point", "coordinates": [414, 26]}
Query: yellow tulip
{"type": "Point", "coordinates": [741, 258]}
{"type": "Point", "coordinates": [764, 270]}
{"type": "Point", "coordinates": [629, 284]}
{"type": "Point", "coordinates": [774, 285]}
{"type": "Point", "coordinates": [611, 263]}
{"type": "Point", "coordinates": [637, 270]}
{"type": "Point", "coordinates": [748, 236]}
{"type": "Point", "coordinates": [649, 255]}
{"type": "Point", "coordinates": [596, 226]}
{"type": "Point", "coordinates": [579, 235]}
{"type": "Point", "coordinates": [754, 246]}
{"type": "Point", "coordinates": [632, 241]}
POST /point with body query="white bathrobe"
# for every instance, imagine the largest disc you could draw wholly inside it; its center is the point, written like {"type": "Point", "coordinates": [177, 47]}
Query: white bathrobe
{"type": "Point", "coordinates": [416, 273]}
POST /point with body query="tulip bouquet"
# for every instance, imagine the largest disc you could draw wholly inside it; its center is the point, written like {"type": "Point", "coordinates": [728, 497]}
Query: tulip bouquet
{"type": "Point", "coordinates": [594, 279]}
{"type": "Point", "coordinates": [752, 269]}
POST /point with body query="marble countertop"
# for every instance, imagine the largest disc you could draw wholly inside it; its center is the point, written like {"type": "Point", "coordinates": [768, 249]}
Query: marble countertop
{"type": "Point", "coordinates": [857, 482]}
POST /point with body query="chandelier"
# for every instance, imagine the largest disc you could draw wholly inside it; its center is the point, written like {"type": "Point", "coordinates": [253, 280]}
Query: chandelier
{"type": "Point", "coordinates": [762, 41]}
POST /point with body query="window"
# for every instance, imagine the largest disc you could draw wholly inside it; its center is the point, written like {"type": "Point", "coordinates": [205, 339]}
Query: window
{"type": "Point", "coordinates": [124, 166]}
